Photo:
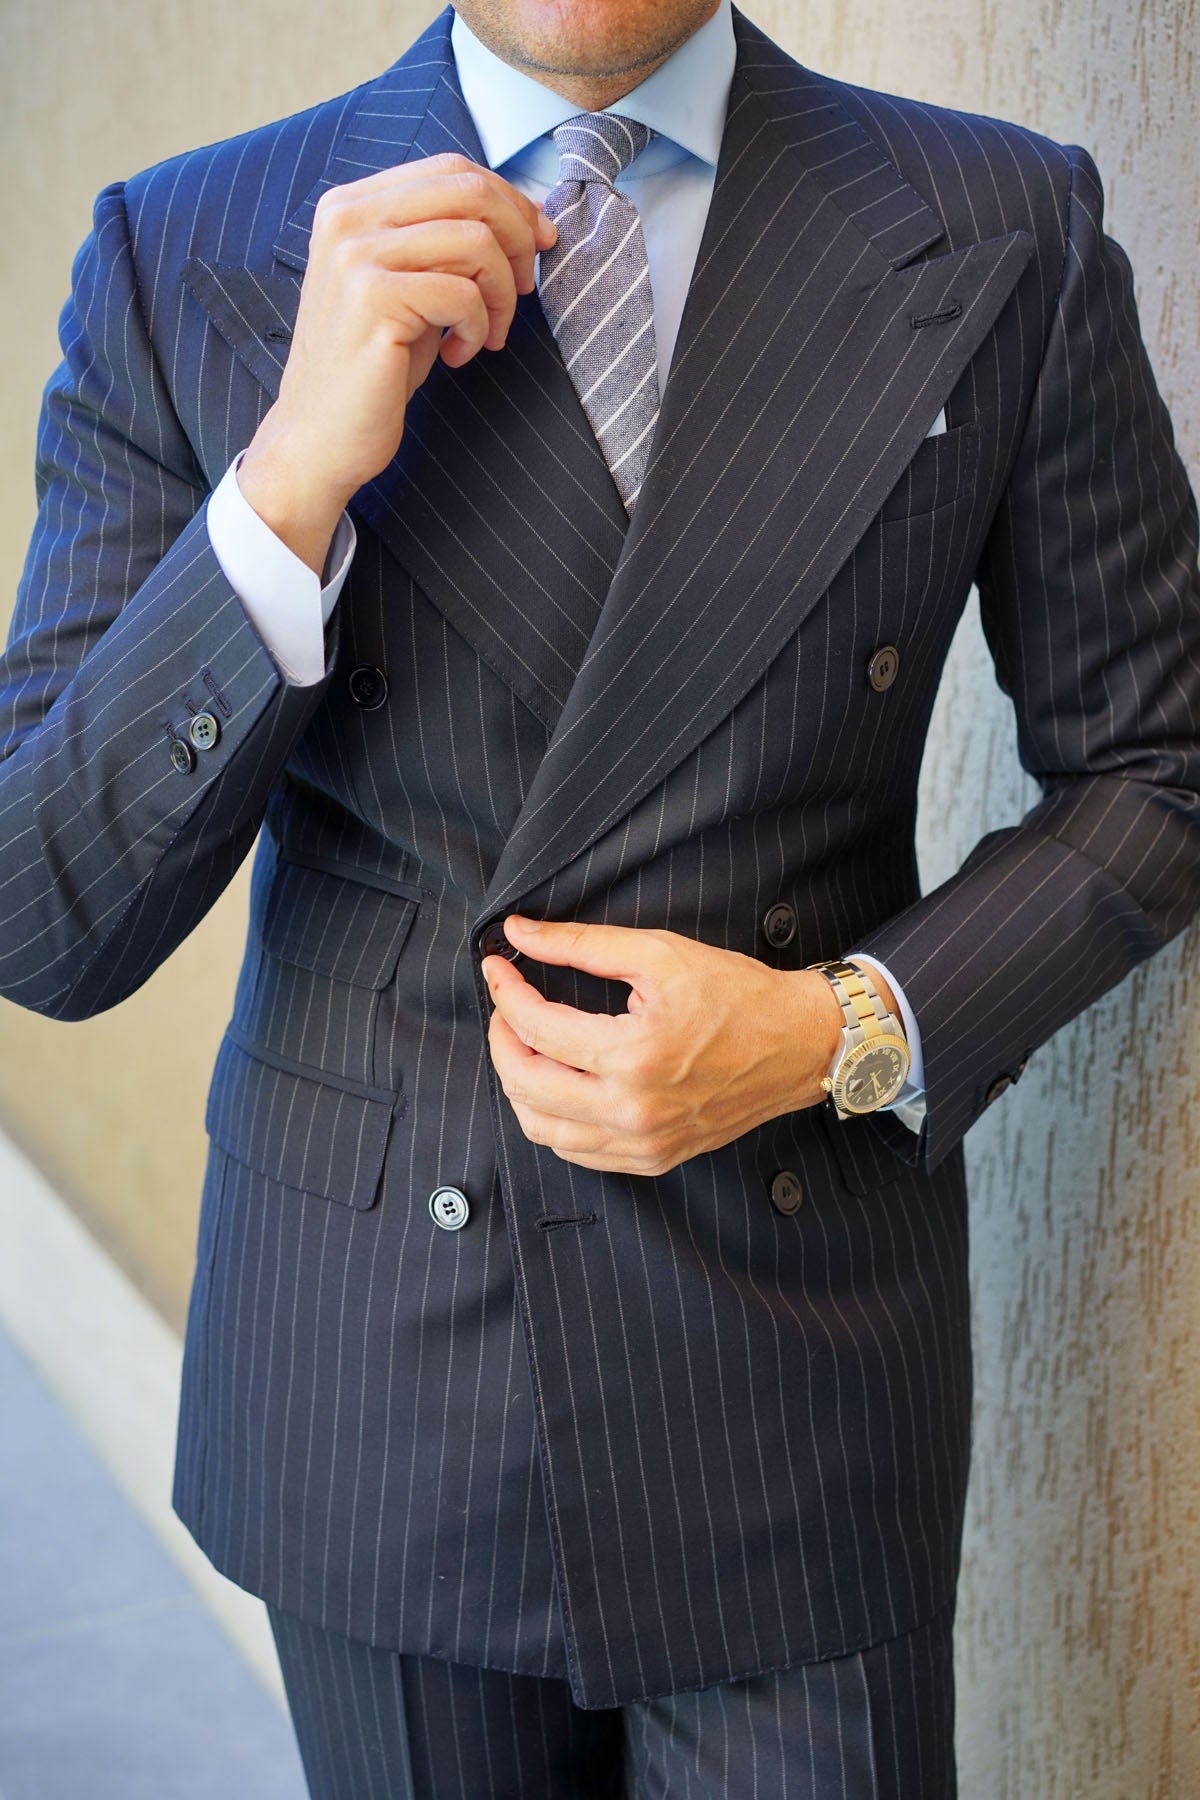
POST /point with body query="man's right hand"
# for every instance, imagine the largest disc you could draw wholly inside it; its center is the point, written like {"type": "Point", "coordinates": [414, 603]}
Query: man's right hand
{"type": "Point", "coordinates": [440, 245]}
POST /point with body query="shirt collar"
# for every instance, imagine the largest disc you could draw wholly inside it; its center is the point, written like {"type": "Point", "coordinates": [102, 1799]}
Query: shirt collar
{"type": "Point", "coordinates": [684, 99]}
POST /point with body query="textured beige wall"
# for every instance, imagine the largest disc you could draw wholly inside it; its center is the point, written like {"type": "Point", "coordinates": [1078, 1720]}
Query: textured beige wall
{"type": "Point", "coordinates": [1079, 1651]}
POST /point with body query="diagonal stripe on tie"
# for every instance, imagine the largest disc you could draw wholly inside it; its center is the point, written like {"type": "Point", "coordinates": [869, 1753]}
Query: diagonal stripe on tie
{"type": "Point", "coordinates": [599, 274]}
{"type": "Point", "coordinates": [595, 291]}
{"type": "Point", "coordinates": [612, 325]}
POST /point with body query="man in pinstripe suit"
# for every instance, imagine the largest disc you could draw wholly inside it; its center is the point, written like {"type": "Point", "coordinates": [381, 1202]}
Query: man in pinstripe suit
{"type": "Point", "coordinates": [588, 1401]}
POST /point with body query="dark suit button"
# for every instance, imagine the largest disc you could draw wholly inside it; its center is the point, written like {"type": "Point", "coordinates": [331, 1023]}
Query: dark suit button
{"type": "Point", "coordinates": [492, 942]}
{"type": "Point", "coordinates": [1000, 1086]}
{"type": "Point", "coordinates": [881, 670]}
{"type": "Point", "coordinates": [183, 757]}
{"type": "Point", "coordinates": [367, 687]}
{"type": "Point", "coordinates": [786, 1192]}
{"type": "Point", "coordinates": [204, 731]}
{"type": "Point", "coordinates": [779, 924]}
{"type": "Point", "coordinates": [449, 1208]}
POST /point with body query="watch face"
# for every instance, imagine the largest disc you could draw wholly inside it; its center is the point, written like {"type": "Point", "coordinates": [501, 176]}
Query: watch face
{"type": "Point", "coordinates": [871, 1076]}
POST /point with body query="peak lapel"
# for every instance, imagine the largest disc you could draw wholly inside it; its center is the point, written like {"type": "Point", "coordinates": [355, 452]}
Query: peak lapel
{"type": "Point", "coordinates": [798, 394]}
{"type": "Point", "coordinates": [499, 502]}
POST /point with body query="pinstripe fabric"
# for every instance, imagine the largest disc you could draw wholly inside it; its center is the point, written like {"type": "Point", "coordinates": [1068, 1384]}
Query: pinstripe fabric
{"type": "Point", "coordinates": [594, 286]}
{"type": "Point", "coordinates": [640, 1434]}
{"type": "Point", "coordinates": [375, 1725]}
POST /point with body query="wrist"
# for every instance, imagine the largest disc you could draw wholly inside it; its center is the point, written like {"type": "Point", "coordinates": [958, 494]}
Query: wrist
{"type": "Point", "coordinates": [813, 1024]}
{"type": "Point", "coordinates": [873, 1059]}
{"type": "Point", "coordinates": [279, 481]}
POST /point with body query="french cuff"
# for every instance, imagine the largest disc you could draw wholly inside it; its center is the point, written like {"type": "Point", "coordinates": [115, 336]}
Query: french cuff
{"type": "Point", "coordinates": [909, 1104]}
{"type": "Point", "coordinates": [284, 600]}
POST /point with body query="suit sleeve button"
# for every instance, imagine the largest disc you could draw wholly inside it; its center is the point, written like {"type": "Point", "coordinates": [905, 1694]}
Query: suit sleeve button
{"type": "Point", "coordinates": [883, 667]}
{"type": "Point", "coordinates": [367, 687]}
{"type": "Point", "coordinates": [1000, 1086]}
{"type": "Point", "coordinates": [183, 757]}
{"type": "Point", "coordinates": [492, 942]}
{"type": "Point", "coordinates": [204, 731]}
{"type": "Point", "coordinates": [787, 1192]}
{"type": "Point", "coordinates": [779, 925]}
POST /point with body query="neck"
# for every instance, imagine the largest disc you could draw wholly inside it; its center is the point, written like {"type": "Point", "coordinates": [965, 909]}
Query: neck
{"type": "Point", "coordinates": [635, 39]}
{"type": "Point", "coordinates": [592, 93]}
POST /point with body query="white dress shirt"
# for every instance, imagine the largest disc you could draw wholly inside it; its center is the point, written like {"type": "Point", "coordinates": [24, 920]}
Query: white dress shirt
{"type": "Point", "coordinates": [684, 103]}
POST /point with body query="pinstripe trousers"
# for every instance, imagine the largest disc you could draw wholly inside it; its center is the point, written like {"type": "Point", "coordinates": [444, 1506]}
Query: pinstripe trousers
{"type": "Point", "coordinates": [374, 1724]}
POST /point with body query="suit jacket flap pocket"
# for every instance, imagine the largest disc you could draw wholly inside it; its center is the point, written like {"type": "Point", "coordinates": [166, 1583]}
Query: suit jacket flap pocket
{"type": "Point", "coordinates": [306, 1130]}
{"type": "Point", "coordinates": [334, 925]}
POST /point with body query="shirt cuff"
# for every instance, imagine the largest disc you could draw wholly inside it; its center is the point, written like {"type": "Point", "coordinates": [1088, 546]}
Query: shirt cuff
{"type": "Point", "coordinates": [909, 1104]}
{"type": "Point", "coordinates": [288, 605]}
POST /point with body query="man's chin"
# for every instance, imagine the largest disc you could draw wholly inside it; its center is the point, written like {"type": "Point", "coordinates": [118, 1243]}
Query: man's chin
{"type": "Point", "coordinates": [584, 40]}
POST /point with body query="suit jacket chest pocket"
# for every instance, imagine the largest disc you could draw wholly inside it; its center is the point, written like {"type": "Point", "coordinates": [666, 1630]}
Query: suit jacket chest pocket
{"type": "Point", "coordinates": [331, 945]}
{"type": "Point", "coordinates": [942, 471]}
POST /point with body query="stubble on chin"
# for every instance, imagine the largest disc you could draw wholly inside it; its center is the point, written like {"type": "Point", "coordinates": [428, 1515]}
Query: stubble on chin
{"type": "Point", "coordinates": [564, 46]}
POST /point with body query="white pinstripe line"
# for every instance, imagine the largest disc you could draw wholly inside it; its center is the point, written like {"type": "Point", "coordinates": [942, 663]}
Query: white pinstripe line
{"type": "Point", "coordinates": [650, 375]}
{"type": "Point", "coordinates": [622, 299]}
{"type": "Point", "coordinates": [599, 273]}
{"type": "Point", "coordinates": [640, 438]}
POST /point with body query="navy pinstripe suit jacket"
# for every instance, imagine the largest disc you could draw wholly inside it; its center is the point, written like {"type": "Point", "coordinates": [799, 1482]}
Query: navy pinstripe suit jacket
{"type": "Point", "coordinates": [643, 1433]}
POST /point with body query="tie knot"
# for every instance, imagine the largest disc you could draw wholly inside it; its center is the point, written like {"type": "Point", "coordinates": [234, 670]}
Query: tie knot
{"type": "Point", "coordinates": [597, 146]}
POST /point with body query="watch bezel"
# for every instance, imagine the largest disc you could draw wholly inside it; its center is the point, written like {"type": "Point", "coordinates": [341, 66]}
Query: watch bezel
{"type": "Point", "coordinates": [895, 1046]}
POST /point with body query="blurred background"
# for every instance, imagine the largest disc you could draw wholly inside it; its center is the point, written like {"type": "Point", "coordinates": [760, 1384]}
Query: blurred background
{"type": "Point", "coordinates": [1078, 1643]}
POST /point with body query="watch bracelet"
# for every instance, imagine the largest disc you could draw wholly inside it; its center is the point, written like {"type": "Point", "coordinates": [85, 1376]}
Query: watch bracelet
{"type": "Point", "coordinates": [836, 973]}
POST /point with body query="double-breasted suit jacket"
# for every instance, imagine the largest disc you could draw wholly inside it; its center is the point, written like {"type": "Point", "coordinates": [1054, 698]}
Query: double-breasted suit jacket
{"type": "Point", "coordinates": [644, 1433]}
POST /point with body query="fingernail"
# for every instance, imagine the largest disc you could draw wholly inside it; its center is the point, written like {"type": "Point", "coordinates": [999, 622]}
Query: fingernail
{"type": "Point", "coordinates": [523, 924]}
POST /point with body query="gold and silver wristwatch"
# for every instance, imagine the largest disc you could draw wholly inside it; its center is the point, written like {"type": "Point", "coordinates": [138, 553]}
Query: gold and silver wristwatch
{"type": "Point", "coordinates": [871, 1064]}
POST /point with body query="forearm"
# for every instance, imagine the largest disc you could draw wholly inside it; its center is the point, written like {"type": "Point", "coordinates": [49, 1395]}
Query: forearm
{"type": "Point", "coordinates": [95, 813]}
{"type": "Point", "coordinates": [1090, 884]}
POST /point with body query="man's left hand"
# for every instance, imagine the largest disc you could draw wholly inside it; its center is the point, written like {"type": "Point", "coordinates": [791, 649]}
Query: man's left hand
{"type": "Point", "coordinates": [712, 1044]}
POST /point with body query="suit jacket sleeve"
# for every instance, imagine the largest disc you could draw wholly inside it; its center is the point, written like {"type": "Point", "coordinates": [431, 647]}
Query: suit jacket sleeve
{"type": "Point", "coordinates": [1091, 605]}
{"type": "Point", "coordinates": [125, 625]}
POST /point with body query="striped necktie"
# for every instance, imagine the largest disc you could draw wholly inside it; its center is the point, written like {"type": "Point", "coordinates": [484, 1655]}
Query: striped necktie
{"type": "Point", "coordinates": [595, 291]}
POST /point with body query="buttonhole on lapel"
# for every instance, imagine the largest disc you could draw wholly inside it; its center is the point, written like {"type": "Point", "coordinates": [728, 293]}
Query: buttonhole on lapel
{"type": "Point", "coordinates": [951, 310]}
{"type": "Point", "coordinates": [552, 1221]}
{"type": "Point", "coordinates": [279, 334]}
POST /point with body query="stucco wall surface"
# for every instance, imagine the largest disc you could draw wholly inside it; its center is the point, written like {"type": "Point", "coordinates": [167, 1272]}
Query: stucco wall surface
{"type": "Point", "coordinates": [1079, 1657]}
